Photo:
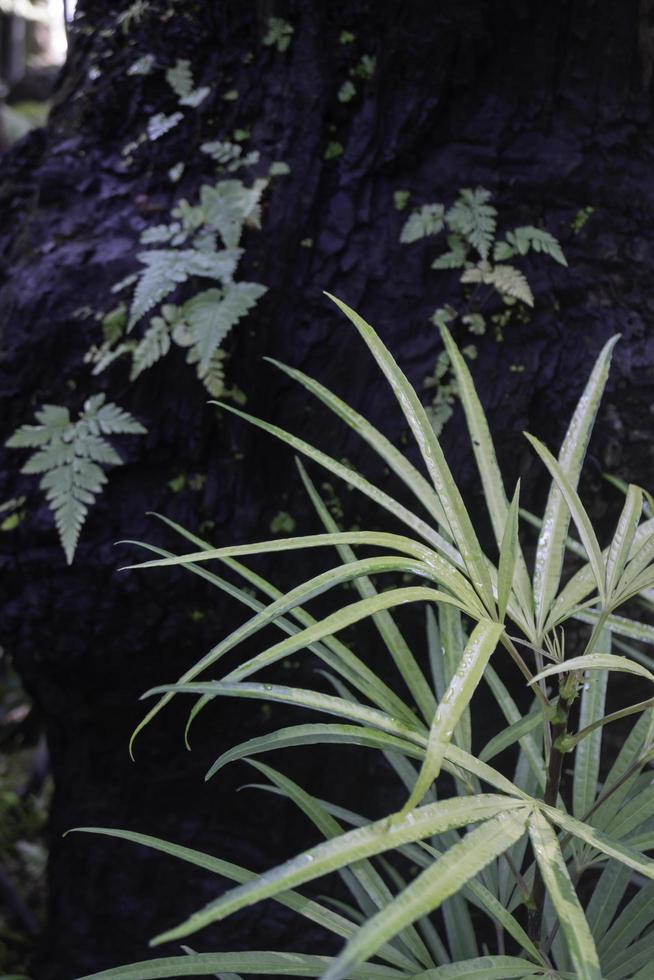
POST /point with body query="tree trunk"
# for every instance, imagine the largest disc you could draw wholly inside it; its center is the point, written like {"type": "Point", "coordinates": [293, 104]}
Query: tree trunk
{"type": "Point", "coordinates": [547, 106]}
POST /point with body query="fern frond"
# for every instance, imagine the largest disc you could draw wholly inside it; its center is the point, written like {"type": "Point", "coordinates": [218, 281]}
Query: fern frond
{"type": "Point", "coordinates": [280, 33]}
{"type": "Point", "coordinates": [56, 453]}
{"type": "Point", "coordinates": [229, 205]}
{"type": "Point", "coordinates": [212, 265]}
{"type": "Point", "coordinates": [456, 257]}
{"type": "Point", "coordinates": [538, 240]}
{"type": "Point", "coordinates": [507, 280]}
{"type": "Point", "coordinates": [160, 124]}
{"type": "Point", "coordinates": [472, 217]}
{"type": "Point", "coordinates": [222, 151]}
{"type": "Point", "coordinates": [154, 345]}
{"type": "Point", "coordinates": [68, 457]}
{"type": "Point", "coordinates": [427, 220]}
{"type": "Point", "coordinates": [212, 314]}
{"type": "Point", "coordinates": [165, 270]}
{"type": "Point", "coordinates": [97, 449]}
{"type": "Point", "coordinates": [180, 80]}
{"type": "Point", "coordinates": [111, 419]}
{"type": "Point", "coordinates": [159, 234]}
{"type": "Point", "coordinates": [213, 375]}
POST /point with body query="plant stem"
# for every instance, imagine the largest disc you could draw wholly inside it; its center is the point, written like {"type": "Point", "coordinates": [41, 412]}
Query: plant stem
{"type": "Point", "coordinates": [552, 786]}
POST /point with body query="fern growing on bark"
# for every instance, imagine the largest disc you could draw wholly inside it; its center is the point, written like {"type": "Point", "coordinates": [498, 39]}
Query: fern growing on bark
{"type": "Point", "coordinates": [482, 259]}
{"type": "Point", "coordinates": [70, 457]}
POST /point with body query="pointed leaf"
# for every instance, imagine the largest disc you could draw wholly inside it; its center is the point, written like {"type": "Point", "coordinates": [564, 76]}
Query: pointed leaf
{"type": "Point", "coordinates": [596, 661]}
{"type": "Point", "coordinates": [564, 898]}
{"type": "Point", "coordinates": [479, 648]}
{"type": "Point", "coordinates": [587, 755]}
{"type": "Point", "coordinates": [623, 538]}
{"type": "Point", "coordinates": [376, 838]}
{"type": "Point", "coordinates": [430, 889]}
{"type": "Point", "coordinates": [579, 515]}
{"type": "Point", "coordinates": [458, 520]}
{"type": "Point", "coordinates": [551, 541]}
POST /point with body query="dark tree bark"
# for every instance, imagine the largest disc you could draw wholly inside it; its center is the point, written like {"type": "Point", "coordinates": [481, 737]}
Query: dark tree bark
{"type": "Point", "coordinates": [548, 106]}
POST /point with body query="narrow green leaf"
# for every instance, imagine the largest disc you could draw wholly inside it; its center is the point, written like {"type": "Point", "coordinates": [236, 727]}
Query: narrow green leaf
{"type": "Point", "coordinates": [621, 626]}
{"type": "Point", "coordinates": [509, 554]}
{"type": "Point", "coordinates": [578, 512]}
{"type": "Point", "coordinates": [479, 648]}
{"type": "Point", "coordinates": [633, 920]}
{"type": "Point", "coordinates": [299, 697]}
{"type": "Point", "coordinates": [374, 892]}
{"type": "Point", "coordinates": [484, 899]}
{"type": "Point", "coordinates": [308, 908]}
{"type": "Point", "coordinates": [574, 593]}
{"type": "Point", "coordinates": [510, 735]}
{"type": "Point", "coordinates": [296, 735]}
{"type": "Point", "coordinates": [331, 650]}
{"type": "Point", "coordinates": [596, 661]}
{"type": "Point", "coordinates": [453, 642]}
{"type": "Point", "coordinates": [277, 609]}
{"type": "Point", "coordinates": [623, 538]}
{"type": "Point", "coordinates": [388, 629]}
{"type": "Point", "coordinates": [383, 835]}
{"type": "Point", "coordinates": [513, 716]}
{"type": "Point", "coordinates": [375, 539]}
{"type": "Point", "coordinates": [600, 841]}
{"type": "Point", "coordinates": [489, 471]}
{"type": "Point", "coordinates": [564, 898]}
{"type": "Point", "coordinates": [587, 756]}
{"type": "Point", "coordinates": [392, 456]}
{"type": "Point", "coordinates": [607, 895]}
{"type": "Point", "coordinates": [458, 520]}
{"type": "Point", "coordinates": [430, 889]}
{"type": "Point", "coordinates": [554, 530]}
{"type": "Point", "coordinates": [337, 621]}
{"type": "Point", "coordinates": [354, 479]}
{"type": "Point", "coordinates": [485, 968]}
{"type": "Point", "coordinates": [265, 963]}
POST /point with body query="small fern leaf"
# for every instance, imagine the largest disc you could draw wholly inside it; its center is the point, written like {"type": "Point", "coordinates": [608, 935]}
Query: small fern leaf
{"type": "Point", "coordinates": [113, 420]}
{"type": "Point", "coordinates": [229, 204]}
{"type": "Point", "coordinates": [57, 453]}
{"type": "Point", "coordinates": [69, 455]}
{"type": "Point", "coordinates": [99, 450]}
{"type": "Point", "coordinates": [472, 217]}
{"type": "Point", "coordinates": [165, 270]}
{"type": "Point", "coordinates": [194, 98]}
{"type": "Point", "coordinates": [529, 237]}
{"type": "Point", "coordinates": [212, 314]}
{"type": "Point", "coordinates": [180, 78]}
{"type": "Point", "coordinates": [28, 437]}
{"type": "Point", "coordinates": [428, 220]}
{"type": "Point", "coordinates": [212, 265]}
{"type": "Point", "coordinates": [88, 476]}
{"type": "Point", "coordinates": [213, 375]}
{"type": "Point", "coordinates": [159, 234]}
{"type": "Point", "coordinates": [456, 257]}
{"type": "Point", "coordinates": [222, 151]}
{"type": "Point", "coordinates": [160, 124]}
{"type": "Point", "coordinates": [507, 280]}
{"type": "Point", "coordinates": [154, 345]}
{"type": "Point", "coordinates": [69, 514]}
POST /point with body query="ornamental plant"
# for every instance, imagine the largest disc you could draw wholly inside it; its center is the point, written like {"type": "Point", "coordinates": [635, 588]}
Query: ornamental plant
{"type": "Point", "coordinates": [548, 848]}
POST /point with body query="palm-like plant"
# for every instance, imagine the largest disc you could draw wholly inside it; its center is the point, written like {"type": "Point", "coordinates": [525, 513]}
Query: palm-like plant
{"type": "Point", "coordinates": [512, 848]}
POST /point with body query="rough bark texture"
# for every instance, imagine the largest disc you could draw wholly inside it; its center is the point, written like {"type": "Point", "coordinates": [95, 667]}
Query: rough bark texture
{"type": "Point", "coordinates": [548, 106]}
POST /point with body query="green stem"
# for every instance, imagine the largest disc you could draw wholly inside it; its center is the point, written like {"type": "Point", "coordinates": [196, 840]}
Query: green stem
{"type": "Point", "coordinates": [552, 786]}
{"type": "Point", "coordinates": [571, 741]}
